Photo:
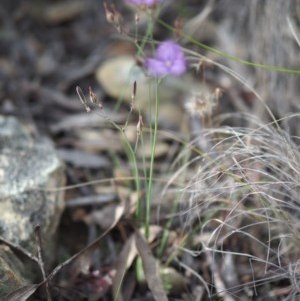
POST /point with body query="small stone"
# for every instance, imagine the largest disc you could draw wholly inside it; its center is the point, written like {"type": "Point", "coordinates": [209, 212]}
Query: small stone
{"type": "Point", "coordinates": [117, 75]}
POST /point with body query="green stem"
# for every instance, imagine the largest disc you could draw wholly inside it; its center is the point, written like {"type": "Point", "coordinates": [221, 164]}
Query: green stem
{"type": "Point", "coordinates": [132, 159]}
{"type": "Point", "coordinates": [146, 38]}
{"type": "Point", "coordinates": [151, 171]}
{"type": "Point", "coordinates": [229, 56]}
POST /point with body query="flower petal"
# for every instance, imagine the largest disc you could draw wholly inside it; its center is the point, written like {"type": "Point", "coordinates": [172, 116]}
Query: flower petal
{"type": "Point", "coordinates": [156, 67]}
{"type": "Point", "coordinates": [178, 67]}
{"type": "Point", "coordinates": [168, 51]}
{"type": "Point", "coordinates": [151, 2]}
{"type": "Point", "coordinates": [148, 3]}
{"type": "Point", "coordinates": [169, 59]}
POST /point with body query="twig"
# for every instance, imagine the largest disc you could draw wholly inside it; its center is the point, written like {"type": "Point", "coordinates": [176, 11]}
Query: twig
{"type": "Point", "coordinates": [37, 230]}
{"type": "Point", "coordinates": [20, 249]}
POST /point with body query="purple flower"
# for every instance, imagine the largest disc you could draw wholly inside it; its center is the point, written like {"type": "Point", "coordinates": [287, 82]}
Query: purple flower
{"type": "Point", "coordinates": [169, 60]}
{"type": "Point", "coordinates": [148, 3]}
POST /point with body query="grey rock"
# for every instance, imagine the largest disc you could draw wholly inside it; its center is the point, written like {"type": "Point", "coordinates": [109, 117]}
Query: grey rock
{"type": "Point", "coordinates": [29, 170]}
{"type": "Point", "coordinates": [12, 271]}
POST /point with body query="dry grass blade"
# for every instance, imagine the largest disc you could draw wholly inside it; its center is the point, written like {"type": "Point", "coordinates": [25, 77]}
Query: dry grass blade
{"type": "Point", "coordinates": [22, 294]}
{"type": "Point", "coordinates": [219, 283]}
{"type": "Point", "coordinates": [151, 269]}
{"type": "Point", "coordinates": [246, 192]}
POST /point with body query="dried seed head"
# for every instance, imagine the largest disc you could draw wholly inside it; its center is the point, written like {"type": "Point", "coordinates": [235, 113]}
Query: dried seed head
{"type": "Point", "coordinates": [117, 14]}
{"type": "Point", "coordinates": [108, 13]}
{"type": "Point", "coordinates": [136, 19]}
{"type": "Point", "coordinates": [82, 99]}
{"type": "Point", "coordinates": [199, 65]}
{"type": "Point", "coordinates": [178, 24]}
{"type": "Point", "coordinates": [139, 126]}
{"type": "Point", "coordinates": [133, 91]}
{"type": "Point", "coordinates": [93, 96]}
{"type": "Point", "coordinates": [203, 103]}
{"type": "Point", "coordinates": [218, 93]}
{"type": "Point", "coordinates": [113, 16]}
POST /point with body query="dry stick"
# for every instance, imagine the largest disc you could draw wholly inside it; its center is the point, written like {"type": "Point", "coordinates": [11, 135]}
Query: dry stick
{"type": "Point", "coordinates": [37, 230]}
{"type": "Point", "coordinates": [20, 249]}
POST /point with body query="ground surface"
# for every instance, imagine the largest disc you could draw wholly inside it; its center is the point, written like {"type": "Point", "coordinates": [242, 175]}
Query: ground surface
{"type": "Point", "coordinates": [215, 234]}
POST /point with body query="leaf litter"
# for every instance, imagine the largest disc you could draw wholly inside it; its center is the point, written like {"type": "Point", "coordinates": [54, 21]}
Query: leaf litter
{"type": "Point", "coordinates": [233, 213]}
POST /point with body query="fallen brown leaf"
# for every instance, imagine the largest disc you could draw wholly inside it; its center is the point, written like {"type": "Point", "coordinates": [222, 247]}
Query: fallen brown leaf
{"type": "Point", "coordinates": [22, 293]}
{"type": "Point", "coordinates": [126, 258]}
{"type": "Point", "coordinates": [151, 269]}
{"type": "Point", "coordinates": [105, 216]}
